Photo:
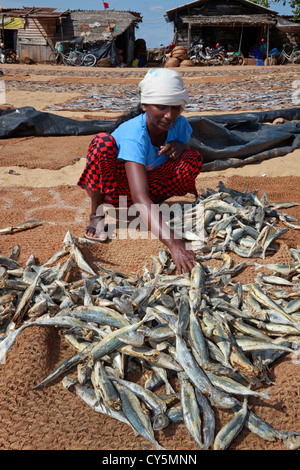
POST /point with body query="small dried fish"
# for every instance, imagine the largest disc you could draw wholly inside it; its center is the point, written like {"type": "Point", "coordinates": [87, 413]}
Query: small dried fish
{"type": "Point", "coordinates": [226, 435]}
{"type": "Point", "coordinates": [24, 226]}
{"type": "Point", "coordinates": [217, 336]}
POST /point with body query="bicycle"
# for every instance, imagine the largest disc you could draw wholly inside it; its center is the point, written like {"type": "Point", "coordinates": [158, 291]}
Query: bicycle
{"type": "Point", "coordinates": [289, 54]}
{"type": "Point", "coordinates": [89, 59]}
{"type": "Point", "coordinates": [77, 58]}
{"type": "Point", "coordinates": [73, 58]}
{"type": "Point", "coordinates": [56, 58]}
{"type": "Point", "coordinates": [296, 57]}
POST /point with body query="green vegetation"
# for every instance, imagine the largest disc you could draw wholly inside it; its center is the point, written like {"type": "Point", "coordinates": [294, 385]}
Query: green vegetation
{"type": "Point", "coordinates": [294, 4]}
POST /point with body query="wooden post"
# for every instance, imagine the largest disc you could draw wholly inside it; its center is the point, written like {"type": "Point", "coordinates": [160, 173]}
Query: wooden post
{"type": "Point", "coordinates": [61, 29]}
{"type": "Point", "coordinates": [267, 60]}
{"type": "Point", "coordinates": [2, 16]}
{"type": "Point", "coordinates": [241, 37]}
{"type": "Point", "coordinates": [189, 35]}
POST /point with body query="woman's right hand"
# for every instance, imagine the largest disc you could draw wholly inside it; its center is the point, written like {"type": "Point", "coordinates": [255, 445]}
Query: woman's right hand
{"type": "Point", "coordinates": [184, 259]}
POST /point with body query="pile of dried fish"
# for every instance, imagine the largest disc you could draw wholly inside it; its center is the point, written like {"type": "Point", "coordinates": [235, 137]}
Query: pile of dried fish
{"type": "Point", "coordinates": [209, 340]}
{"type": "Point", "coordinates": [229, 220]}
{"type": "Point", "coordinates": [219, 97]}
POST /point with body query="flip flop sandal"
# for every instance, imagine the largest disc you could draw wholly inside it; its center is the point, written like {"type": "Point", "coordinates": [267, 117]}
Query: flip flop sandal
{"type": "Point", "coordinates": [93, 229]}
{"type": "Point", "coordinates": [97, 239]}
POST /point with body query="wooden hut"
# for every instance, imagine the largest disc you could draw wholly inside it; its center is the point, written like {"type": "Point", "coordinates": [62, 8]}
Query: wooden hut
{"type": "Point", "coordinates": [31, 32]}
{"type": "Point", "coordinates": [240, 23]}
{"type": "Point", "coordinates": [35, 32]}
{"type": "Point", "coordinates": [92, 28]}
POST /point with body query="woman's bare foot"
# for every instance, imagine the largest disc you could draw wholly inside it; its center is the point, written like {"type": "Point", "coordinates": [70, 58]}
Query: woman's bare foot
{"type": "Point", "coordinates": [97, 229]}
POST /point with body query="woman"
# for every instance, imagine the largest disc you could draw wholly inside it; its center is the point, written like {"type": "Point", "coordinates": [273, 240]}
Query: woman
{"type": "Point", "coordinates": [146, 159]}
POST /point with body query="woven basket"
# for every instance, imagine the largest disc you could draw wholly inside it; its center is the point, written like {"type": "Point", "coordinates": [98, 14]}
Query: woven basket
{"type": "Point", "coordinates": [104, 62]}
{"type": "Point", "coordinates": [187, 63]}
{"type": "Point", "coordinates": [179, 48]}
{"type": "Point", "coordinates": [172, 62]}
{"type": "Point", "coordinates": [181, 55]}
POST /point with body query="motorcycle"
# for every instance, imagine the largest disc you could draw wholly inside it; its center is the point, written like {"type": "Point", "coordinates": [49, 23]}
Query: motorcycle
{"type": "Point", "coordinates": [168, 52]}
{"type": "Point", "coordinates": [206, 56]}
{"type": "Point", "coordinates": [231, 57]}
{"type": "Point", "coordinates": [234, 58]}
{"type": "Point", "coordinates": [10, 56]}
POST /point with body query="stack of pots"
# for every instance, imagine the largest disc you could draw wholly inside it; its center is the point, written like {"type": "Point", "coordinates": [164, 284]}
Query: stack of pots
{"type": "Point", "coordinates": [179, 58]}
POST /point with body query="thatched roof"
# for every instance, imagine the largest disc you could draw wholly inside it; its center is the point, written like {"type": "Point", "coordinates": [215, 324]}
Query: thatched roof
{"type": "Point", "coordinates": [232, 20]}
{"type": "Point", "coordinates": [96, 26]}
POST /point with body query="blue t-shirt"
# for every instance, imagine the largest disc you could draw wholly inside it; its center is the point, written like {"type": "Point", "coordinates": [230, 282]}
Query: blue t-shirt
{"type": "Point", "coordinates": [135, 145]}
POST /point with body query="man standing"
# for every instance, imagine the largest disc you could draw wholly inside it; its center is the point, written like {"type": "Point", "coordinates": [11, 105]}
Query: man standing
{"type": "Point", "coordinates": [2, 55]}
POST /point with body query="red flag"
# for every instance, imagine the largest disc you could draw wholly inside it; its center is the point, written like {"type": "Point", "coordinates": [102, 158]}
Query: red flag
{"type": "Point", "coordinates": [106, 5]}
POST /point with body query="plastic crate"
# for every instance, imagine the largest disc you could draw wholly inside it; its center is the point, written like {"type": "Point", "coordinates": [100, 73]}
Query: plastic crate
{"type": "Point", "coordinates": [259, 62]}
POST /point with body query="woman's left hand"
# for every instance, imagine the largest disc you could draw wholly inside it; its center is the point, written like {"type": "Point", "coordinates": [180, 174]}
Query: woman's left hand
{"type": "Point", "coordinates": [173, 149]}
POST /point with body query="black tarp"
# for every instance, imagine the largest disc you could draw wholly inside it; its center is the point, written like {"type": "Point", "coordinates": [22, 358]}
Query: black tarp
{"type": "Point", "coordinates": [27, 121]}
{"type": "Point", "coordinates": [107, 49]}
{"type": "Point", "coordinates": [237, 139]}
{"type": "Point", "coordinates": [100, 51]}
{"type": "Point", "coordinates": [224, 140]}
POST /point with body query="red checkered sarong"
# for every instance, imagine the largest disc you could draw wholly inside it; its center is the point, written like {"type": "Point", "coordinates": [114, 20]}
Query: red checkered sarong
{"type": "Point", "coordinates": [105, 173]}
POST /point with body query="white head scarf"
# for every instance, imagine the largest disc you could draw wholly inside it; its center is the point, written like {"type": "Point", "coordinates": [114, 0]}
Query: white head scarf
{"type": "Point", "coordinates": [163, 86]}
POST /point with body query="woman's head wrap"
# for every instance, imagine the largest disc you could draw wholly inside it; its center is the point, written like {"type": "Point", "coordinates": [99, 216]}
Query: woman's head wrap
{"type": "Point", "coordinates": [163, 86]}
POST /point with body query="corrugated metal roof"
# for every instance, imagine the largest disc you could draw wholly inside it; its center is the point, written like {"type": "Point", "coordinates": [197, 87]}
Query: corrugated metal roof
{"type": "Point", "coordinates": [170, 13]}
{"type": "Point", "coordinates": [35, 12]}
{"type": "Point", "coordinates": [287, 26]}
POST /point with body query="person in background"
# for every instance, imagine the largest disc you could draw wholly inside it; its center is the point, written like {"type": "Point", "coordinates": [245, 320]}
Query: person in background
{"type": "Point", "coordinates": [263, 48]}
{"type": "Point", "coordinates": [170, 48]}
{"type": "Point", "coordinates": [2, 54]}
{"type": "Point", "coordinates": [256, 52]}
{"type": "Point", "coordinates": [147, 159]}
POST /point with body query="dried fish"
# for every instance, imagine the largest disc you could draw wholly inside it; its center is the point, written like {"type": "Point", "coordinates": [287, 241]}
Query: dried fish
{"type": "Point", "coordinates": [217, 336]}
{"type": "Point", "coordinates": [104, 387]}
{"type": "Point", "coordinates": [226, 435]}
{"type": "Point", "coordinates": [190, 410]}
{"type": "Point", "coordinates": [136, 415]}
{"type": "Point", "coordinates": [100, 315]}
{"type": "Point", "coordinates": [24, 226]}
{"type": "Point", "coordinates": [208, 419]}
{"type": "Point", "coordinates": [88, 395]}
{"type": "Point", "coordinates": [15, 253]}
{"type": "Point", "coordinates": [151, 400]}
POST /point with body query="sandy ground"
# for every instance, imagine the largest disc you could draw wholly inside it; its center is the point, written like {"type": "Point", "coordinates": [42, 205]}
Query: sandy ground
{"type": "Point", "coordinates": [38, 181]}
